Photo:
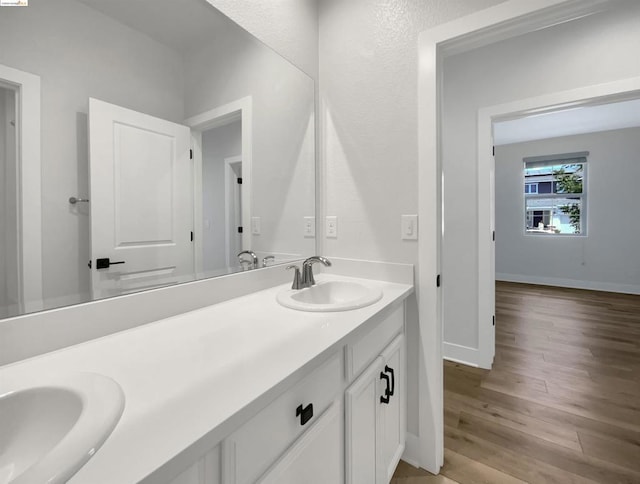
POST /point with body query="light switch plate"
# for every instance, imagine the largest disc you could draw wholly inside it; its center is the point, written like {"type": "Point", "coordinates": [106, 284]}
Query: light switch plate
{"type": "Point", "coordinates": [331, 227]}
{"type": "Point", "coordinates": [256, 225]}
{"type": "Point", "coordinates": [409, 227]}
{"type": "Point", "coordinates": [309, 228]}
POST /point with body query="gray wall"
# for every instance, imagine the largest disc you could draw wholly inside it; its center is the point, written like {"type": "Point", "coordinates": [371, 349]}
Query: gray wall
{"type": "Point", "coordinates": [607, 258]}
{"type": "Point", "coordinates": [584, 52]}
{"type": "Point", "coordinates": [217, 144]}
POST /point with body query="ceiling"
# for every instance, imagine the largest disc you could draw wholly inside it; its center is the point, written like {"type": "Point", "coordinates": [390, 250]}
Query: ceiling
{"type": "Point", "coordinates": [178, 24]}
{"type": "Point", "coordinates": [577, 120]}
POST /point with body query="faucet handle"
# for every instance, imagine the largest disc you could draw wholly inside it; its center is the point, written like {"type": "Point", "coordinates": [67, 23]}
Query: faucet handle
{"type": "Point", "coordinates": [266, 260]}
{"type": "Point", "coordinates": [296, 277]}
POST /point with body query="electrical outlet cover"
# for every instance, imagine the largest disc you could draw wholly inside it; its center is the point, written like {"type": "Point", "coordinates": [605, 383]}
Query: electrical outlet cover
{"type": "Point", "coordinates": [309, 227]}
{"type": "Point", "coordinates": [331, 227]}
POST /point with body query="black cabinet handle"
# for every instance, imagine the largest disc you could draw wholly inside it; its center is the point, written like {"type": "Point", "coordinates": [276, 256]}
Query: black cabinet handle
{"type": "Point", "coordinates": [387, 393]}
{"type": "Point", "coordinates": [393, 380]}
{"type": "Point", "coordinates": [305, 413]}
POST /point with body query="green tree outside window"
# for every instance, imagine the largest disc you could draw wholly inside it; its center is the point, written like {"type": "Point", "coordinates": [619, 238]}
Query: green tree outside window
{"type": "Point", "coordinates": [569, 180]}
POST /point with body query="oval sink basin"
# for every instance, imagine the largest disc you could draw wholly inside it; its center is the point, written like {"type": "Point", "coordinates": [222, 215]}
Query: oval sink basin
{"type": "Point", "coordinates": [330, 296]}
{"type": "Point", "coordinates": [51, 428]}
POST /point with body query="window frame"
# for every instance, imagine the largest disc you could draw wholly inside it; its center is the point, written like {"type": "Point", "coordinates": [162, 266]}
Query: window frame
{"type": "Point", "coordinates": [554, 160]}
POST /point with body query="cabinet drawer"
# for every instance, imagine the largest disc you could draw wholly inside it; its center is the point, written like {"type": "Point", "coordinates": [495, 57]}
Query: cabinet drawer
{"type": "Point", "coordinates": [367, 348]}
{"type": "Point", "coordinates": [314, 458]}
{"type": "Point", "coordinates": [254, 447]}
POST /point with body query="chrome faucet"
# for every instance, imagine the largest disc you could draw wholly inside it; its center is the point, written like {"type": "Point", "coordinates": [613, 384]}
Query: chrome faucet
{"type": "Point", "coordinates": [268, 259]}
{"type": "Point", "coordinates": [307, 269]}
{"type": "Point", "coordinates": [254, 257]}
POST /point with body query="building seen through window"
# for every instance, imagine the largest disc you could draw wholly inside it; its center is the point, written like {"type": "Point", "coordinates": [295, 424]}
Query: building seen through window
{"type": "Point", "coordinates": [555, 198]}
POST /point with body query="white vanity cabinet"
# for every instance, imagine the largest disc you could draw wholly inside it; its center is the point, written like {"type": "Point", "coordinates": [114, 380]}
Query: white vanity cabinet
{"type": "Point", "coordinates": [375, 414]}
{"type": "Point", "coordinates": [344, 421]}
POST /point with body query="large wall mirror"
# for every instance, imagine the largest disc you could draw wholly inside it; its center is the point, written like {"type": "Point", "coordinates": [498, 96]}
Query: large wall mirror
{"type": "Point", "coordinates": [145, 143]}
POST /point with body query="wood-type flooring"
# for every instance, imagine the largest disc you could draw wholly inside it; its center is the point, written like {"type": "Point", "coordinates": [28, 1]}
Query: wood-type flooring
{"type": "Point", "coordinates": [562, 401]}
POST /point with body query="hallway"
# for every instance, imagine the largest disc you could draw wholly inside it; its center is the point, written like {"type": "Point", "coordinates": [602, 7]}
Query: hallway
{"type": "Point", "coordinates": [562, 402]}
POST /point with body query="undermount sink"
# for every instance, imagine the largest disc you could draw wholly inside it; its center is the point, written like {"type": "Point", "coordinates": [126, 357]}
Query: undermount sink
{"type": "Point", "coordinates": [52, 427]}
{"type": "Point", "coordinates": [330, 296]}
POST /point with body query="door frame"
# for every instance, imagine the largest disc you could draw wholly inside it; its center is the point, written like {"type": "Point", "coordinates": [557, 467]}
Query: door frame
{"type": "Point", "coordinates": [229, 188]}
{"type": "Point", "coordinates": [509, 19]}
{"type": "Point", "coordinates": [28, 151]}
{"type": "Point", "coordinates": [241, 109]}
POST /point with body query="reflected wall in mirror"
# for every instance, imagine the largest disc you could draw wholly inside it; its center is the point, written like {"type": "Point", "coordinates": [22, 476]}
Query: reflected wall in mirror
{"type": "Point", "coordinates": [191, 140]}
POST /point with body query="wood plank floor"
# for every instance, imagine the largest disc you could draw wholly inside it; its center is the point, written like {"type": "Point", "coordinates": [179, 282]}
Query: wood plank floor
{"type": "Point", "coordinates": [562, 401]}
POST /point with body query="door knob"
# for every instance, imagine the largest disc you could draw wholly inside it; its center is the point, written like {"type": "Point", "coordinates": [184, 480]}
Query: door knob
{"type": "Point", "coordinates": [104, 263]}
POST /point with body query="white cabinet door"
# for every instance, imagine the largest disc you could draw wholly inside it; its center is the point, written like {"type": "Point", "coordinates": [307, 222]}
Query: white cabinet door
{"type": "Point", "coordinates": [375, 418]}
{"type": "Point", "coordinates": [361, 416]}
{"type": "Point", "coordinates": [141, 200]}
{"type": "Point", "coordinates": [392, 415]}
{"type": "Point", "coordinates": [315, 458]}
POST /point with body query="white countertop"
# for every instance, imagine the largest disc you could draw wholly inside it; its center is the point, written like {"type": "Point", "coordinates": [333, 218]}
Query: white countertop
{"type": "Point", "coordinates": [194, 374]}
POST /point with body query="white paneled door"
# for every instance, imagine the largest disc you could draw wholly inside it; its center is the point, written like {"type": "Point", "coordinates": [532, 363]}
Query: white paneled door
{"type": "Point", "coordinates": [141, 200]}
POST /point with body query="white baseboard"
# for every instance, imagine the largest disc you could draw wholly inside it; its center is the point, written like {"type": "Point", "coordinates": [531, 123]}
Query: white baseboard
{"type": "Point", "coordinates": [461, 354]}
{"type": "Point", "coordinates": [411, 449]}
{"type": "Point", "coordinates": [571, 283]}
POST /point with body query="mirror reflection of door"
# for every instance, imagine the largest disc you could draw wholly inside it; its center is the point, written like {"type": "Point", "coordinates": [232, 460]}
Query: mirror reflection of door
{"type": "Point", "coordinates": [141, 201]}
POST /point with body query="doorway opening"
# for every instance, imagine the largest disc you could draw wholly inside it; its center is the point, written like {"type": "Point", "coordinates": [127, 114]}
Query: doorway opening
{"type": "Point", "coordinates": [20, 203]}
{"type": "Point", "coordinates": [559, 104]}
{"type": "Point", "coordinates": [222, 180]}
{"type": "Point", "coordinates": [504, 21]}
{"type": "Point", "coordinates": [10, 293]}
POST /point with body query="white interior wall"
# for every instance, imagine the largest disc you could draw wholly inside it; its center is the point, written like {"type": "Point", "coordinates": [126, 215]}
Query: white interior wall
{"type": "Point", "coordinates": [369, 136]}
{"type": "Point", "coordinates": [283, 165]}
{"type": "Point", "coordinates": [217, 144]}
{"type": "Point", "coordinates": [559, 58]}
{"type": "Point", "coordinates": [80, 53]}
{"type": "Point", "coordinates": [607, 257]}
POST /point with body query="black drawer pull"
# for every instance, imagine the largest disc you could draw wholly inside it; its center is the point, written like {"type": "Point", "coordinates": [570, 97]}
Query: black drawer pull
{"type": "Point", "coordinates": [305, 413]}
{"type": "Point", "coordinates": [393, 380]}
{"type": "Point", "coordinates": [385, 398]}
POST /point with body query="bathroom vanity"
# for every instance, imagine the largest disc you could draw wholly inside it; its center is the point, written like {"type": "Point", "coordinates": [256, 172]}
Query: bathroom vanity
{"type": "Point", "coordinates": [247, 390]}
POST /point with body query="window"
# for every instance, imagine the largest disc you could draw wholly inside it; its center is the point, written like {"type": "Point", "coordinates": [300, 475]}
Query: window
{"type": "Point", "coordinates": [555, 194]}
